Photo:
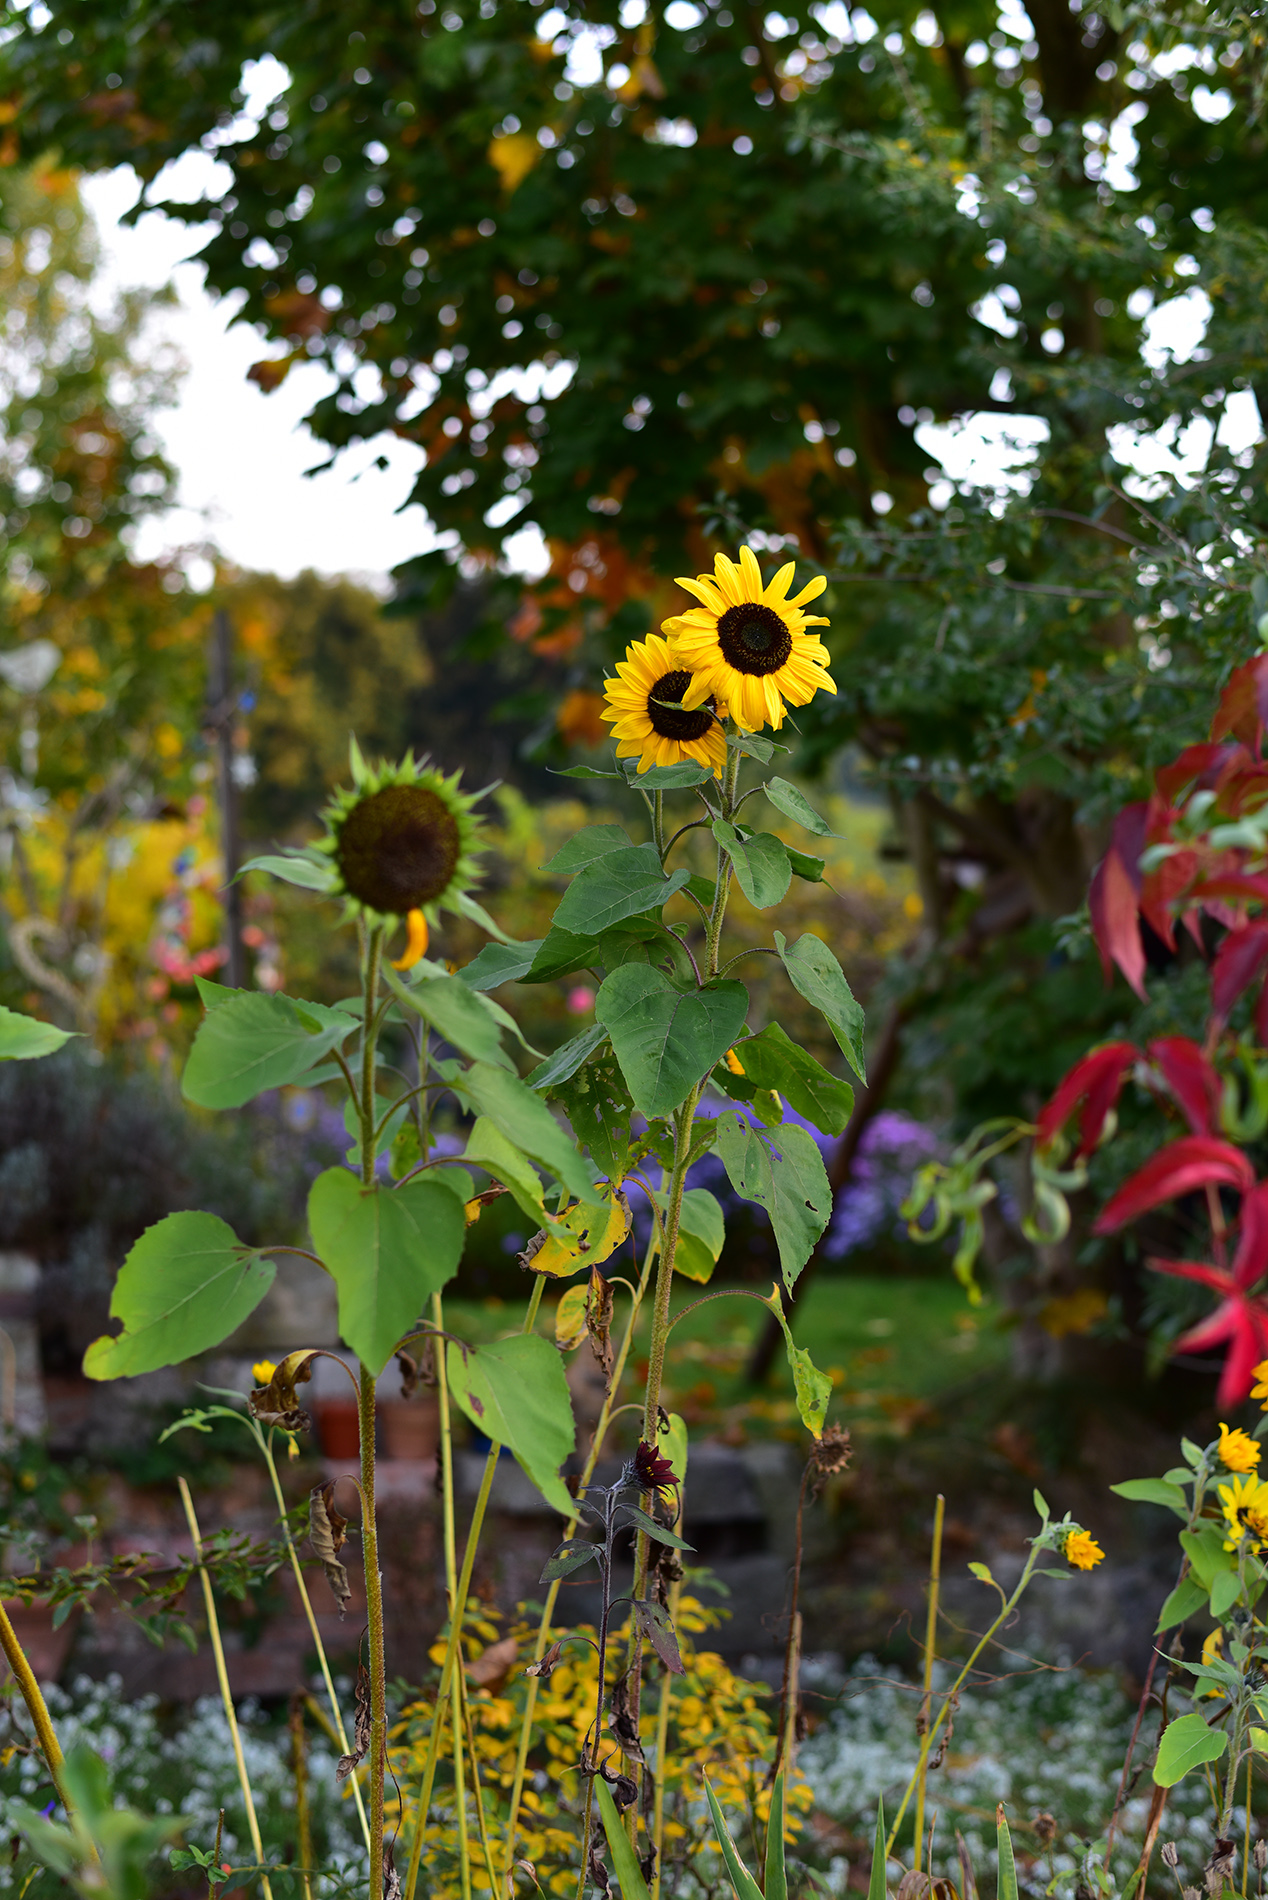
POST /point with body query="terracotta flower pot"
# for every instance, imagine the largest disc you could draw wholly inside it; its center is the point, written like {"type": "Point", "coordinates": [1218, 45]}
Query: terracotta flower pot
{"type": "Point", "coordinates": [336, 1421]}
{"type": "Point", "coordinates": [410, 1428]}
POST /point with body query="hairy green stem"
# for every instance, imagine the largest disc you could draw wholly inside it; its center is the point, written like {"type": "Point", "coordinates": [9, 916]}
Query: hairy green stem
{"type": "Point", "coordinates": [365, 1416]}
{"type": "Point", "coordinates": [37, 1708]}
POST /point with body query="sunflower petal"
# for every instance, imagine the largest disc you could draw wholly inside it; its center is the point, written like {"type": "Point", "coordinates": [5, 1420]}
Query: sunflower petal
{"type": "Point", "coordinates": [752, 574]}
{"type": "Point", "coordinates": [811, 591]}
{"type": "Point", "coordinates": [777, 591]}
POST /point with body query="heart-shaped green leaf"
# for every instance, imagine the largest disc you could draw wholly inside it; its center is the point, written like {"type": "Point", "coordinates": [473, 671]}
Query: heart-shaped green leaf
{"type": "Point", "coordinates": [388, 1250]}
{"type": "Point", "coordinates": [666, 1039]}
{"type": "Point", "coordinates": [255, 1042]}
{"type": "Point", "coordinates": [1186, 1743]}
{"type": "Point", "coordinates": [783, 1172]}
{"type": "Point", "coordinates": [186, 1285]}
{"type": "Point", "coordinates": [515, 1392]}
{"type": "Point", "coordinates": [617, 885]}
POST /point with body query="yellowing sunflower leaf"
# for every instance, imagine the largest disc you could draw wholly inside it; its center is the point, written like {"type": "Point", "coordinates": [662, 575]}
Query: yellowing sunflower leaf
{"type": "Point", "coordinates": [583, 1237]}
{"type": "Point", "coordinates": [811, 1388]}
{"type": "Point", "coordinates": [570, 1317]}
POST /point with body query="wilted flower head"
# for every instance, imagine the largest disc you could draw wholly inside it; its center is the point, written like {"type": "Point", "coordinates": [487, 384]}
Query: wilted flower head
{"type": "Point", "coordinates": [402, 840]}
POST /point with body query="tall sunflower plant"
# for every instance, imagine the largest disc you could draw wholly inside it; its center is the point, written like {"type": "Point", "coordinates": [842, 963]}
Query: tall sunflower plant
{"type": "Point", "coordinates": [572, 1137]}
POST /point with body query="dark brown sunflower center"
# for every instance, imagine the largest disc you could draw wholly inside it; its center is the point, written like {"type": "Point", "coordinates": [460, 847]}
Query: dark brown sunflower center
{"type": "Point", "coordinates": [670, 723]}
{"type": "Point", "coordinates": [398, 849]}
{"type": "Point", "coordinates": [753, 638]}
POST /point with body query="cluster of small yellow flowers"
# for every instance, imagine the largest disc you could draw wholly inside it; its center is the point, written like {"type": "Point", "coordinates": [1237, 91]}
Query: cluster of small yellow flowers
{"type": "Point", "coordinates": [1081, 1551]}
{"type": "Point", "coordinates": [744, 652]}
{"type": "Point", "coordinates": [262, 1371]}
{"type": "Point", "coordinates": [717, 1723]}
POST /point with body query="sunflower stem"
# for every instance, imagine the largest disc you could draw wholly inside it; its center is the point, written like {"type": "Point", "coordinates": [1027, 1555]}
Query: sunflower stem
{"type": "Point", "coordinates": [365, 1411]}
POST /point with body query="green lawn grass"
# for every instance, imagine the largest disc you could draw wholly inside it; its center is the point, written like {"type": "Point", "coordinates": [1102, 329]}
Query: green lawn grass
{"type": "Point", "coordinates": [892, 1346]}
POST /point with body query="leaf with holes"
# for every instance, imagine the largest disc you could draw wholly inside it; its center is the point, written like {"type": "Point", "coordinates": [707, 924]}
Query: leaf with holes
{"type": "Point", "coordinates": [815, 974]}
{"type": "Point", "coordinates": [782, 1170]}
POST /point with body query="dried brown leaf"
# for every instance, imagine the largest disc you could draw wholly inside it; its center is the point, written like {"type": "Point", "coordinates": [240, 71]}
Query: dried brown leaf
{"type": "Point", "coordinates": [599, 1304]}
{"type": "Point", "coordinates": [361, 1741]}
{"type": "Point", "coordinates": [659, 1631]}
{"type": "Point", "coordinates": [621, 1721]}
{"type": "Point", "coordinates": [548, 1664]}
{"type": "Point", "coordinates": [276, 1403]}
{"type": "Point", "coordinates": [493, 1664]}
{"type": "Point", "coordinates": [327, 1533]}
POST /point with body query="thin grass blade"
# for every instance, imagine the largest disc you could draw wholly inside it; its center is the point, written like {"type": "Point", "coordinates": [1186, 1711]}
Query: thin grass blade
{"type": "Point", "coordinates": [624, 1860]}
{"type": "Point", "coordinates": [1007, 1875]}
{"type": "Point", "coordinates": [876, 1884]}
{"type": "Point", "coordinates": [776, 1873]}
{"type": "Point", "coordinates": [746, 1887]}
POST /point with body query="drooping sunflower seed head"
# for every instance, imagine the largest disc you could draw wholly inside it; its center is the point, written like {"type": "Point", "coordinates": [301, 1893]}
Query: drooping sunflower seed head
{"type": "Point", "coordinates": [402, 839]}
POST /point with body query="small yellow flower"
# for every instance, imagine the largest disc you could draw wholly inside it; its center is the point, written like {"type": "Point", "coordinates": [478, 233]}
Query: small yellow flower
{"type": "Point", "coordinates": [1238, 1451]}
{"type": "Point", "coordinates": [262, 1372]}
{"type": "Point", "coordinates": [1082, 1551]}
{"type": "Point", "coordinates": [1260, 1391]}
{"type": "Point", "coordinates": [748, 645]}
{"type": "Point", "coordinates": [1245, 1507]}
{"type": "Point", "coordinates": [416, 946]}
{"type": "Point", "coordinates": [733, 1063]}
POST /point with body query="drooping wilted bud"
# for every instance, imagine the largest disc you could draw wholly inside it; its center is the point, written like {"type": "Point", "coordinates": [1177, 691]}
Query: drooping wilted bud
{"type": "Point", "coordinates": [1045, 1827]}
{"type": "Point", "coordinates": [1170, 1855]}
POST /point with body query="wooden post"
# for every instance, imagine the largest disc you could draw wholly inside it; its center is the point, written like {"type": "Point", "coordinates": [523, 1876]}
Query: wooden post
{"type": "Point", "coordinates": [222, 710]}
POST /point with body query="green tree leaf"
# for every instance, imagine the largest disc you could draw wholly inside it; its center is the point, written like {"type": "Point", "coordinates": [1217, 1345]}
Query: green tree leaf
{"type": "Point", "coordinates": [255, 1042]}
{"type": "Point", "coordinates": [306, 872]}
{"type": "Point", "coordinates": [1186, 1743]}
{"type": "Point", "coordinates": [760, 862]}
{"type": "Point", "coordinates": [666, 1040]}
{"type": "Point", "coordinates": [815, 974]}
{"type": "Point", "coordinates": [794, 805]}
{"type": "Point", "coordinates": [618, 885]}
{"type": "Point", "coordinates": [185, 1286]}
{"type": "Point", "coordinates": [526, 1121]}
{"type": "Point", "coordinates": [387, 1250]}
{"type": "Point", "coordinates": [22, 1037]}
{"type": "Point", "coordinates": [515, 1392]}
{"type": "Point", "coordinates": [772, 1060]}
{"type": "Point", "coordinates": [783, 1172]}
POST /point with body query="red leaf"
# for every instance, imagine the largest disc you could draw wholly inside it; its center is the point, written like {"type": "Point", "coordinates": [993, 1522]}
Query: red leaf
{"type": "Point", "coordinates": [1096, 1081]}
{"type": "Point", "coordinates": [1191, 1080]}
{"type": "Point", "coordinates": [1112, 903]}
{"type": "Point", "coordinates": [1161, 888]}
{"type": "Point", "coordinates": [1243, 706]}
{"type": "Point", "coordinates": [1192, 1162]}
{"type": "Point", "coordinates": [1196, 767]}
{"type": "Point", "coordinates": [1238, 961]}
{"type": "Point", "coordinates": [1240, 887]}
{"type": "Point", "coordinates": [1251, 1261]}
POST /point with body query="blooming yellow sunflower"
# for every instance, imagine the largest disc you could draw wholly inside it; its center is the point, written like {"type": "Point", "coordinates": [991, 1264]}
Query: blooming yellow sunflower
{"type": "Point", "coordinates": [646, 718]}
{"type": "Point", "coordinates": [1082, 1550]}
{"type": "Point", "coordinates": [1245, 1507]}
{"type": "Point", "coordinates": [747, 645]}
{"type": "Point", "coordinates": [1260, 1391]}
{"type": "Point", "coordinates": [1238, 1450]}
